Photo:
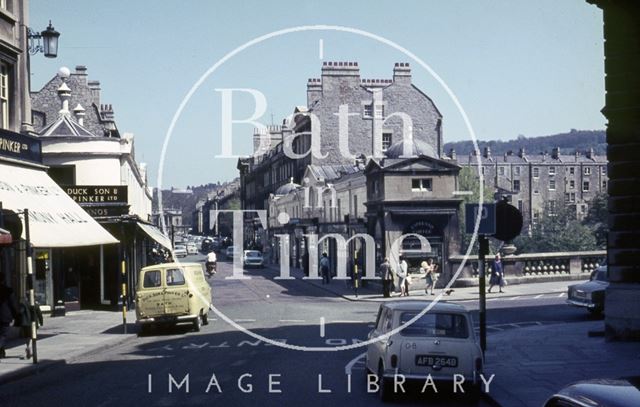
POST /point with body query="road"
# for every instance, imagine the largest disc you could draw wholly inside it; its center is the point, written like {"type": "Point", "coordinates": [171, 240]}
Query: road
{"type": "Point", "coordinates": [221, 365]}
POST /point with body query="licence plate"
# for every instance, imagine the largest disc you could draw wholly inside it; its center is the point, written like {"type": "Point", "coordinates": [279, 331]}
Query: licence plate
{"type": "Point", "coordinates": [436, 360]}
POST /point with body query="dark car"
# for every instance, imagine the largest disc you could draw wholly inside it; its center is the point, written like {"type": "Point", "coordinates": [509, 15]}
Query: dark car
{"type": "Point", "coordinates": [590, 294]}
{"type": "Point", "coordinates": [598, 392]}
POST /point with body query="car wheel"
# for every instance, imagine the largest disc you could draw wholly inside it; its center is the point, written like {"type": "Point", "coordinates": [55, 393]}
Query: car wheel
{"type": "Point", "coordinates": [205, 318]}
{"type": "Point", "coordinates": [197, 324]}
{"type": "Point", "coordinates": [384, 387]}
{"type": "Point", "coordinates": [145, 330]}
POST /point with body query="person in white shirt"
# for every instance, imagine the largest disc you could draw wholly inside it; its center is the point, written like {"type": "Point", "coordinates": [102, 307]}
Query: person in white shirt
{"type": "Point", "coordinates": [211, 262]}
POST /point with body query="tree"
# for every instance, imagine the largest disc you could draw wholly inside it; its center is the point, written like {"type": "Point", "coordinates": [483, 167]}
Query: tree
{"type": "Point", "coordinates": [557, 231]}
{"type": "Point", "coordinates": [597, 219]}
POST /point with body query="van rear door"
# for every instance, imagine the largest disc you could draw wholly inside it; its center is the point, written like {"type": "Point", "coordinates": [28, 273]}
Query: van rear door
{"type": "Point", "coordinates": [150, 302]}
{"type": "Point", "coordinates": [176, 294]}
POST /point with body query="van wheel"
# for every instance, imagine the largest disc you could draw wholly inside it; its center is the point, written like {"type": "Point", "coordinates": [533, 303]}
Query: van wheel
{"type": "Point", "coordinates": [205, 318]}
{"type": "Point", "coordinates": [144, 330]}
{"type": "Point", "coordinates": [197, 324]}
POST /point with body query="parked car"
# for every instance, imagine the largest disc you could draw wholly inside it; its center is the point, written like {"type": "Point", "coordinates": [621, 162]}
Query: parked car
{"type": "Point", "coordinates": [252, 258]}
{"type": "Point", "coordinates": [598, 392]}
{"type": "Point", "coordinates": [180, 250]}
{"type": "Point", "coordinates": [440, 343]}
{"type": "Point", "coordinates": [590, 294]}
{"type": "Point", "coordinates": [192, 248]}
{"type": "Point", "coordinates": [230, 252]}
{"type": "Point", "coordinates": [171, 293]}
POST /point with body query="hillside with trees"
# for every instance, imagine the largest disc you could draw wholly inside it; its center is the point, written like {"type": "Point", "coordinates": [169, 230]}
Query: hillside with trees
{"type": "Point", "coordinates": [580, 140]}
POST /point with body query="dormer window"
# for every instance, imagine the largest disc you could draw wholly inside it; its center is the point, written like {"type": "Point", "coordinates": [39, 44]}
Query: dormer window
{"type": "Point", "coordinates": [421, 184]}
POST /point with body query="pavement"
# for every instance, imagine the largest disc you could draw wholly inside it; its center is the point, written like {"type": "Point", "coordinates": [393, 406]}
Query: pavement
{"type": "Point", "coordinates": [531, 364]}
{"type": "Point", "coordinates": [373, 289]}
{"type": "Point", "coordinates": [62, 340]}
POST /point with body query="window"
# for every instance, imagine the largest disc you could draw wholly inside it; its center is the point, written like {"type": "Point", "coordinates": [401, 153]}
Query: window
{"type": "Point", "coordinates": [570, 197]}
{"type": "Point", "coordinates": [339, 205]}
{"type": "Point", "coordinates": [587, 170]}
{"type": "Point", "coordinates": [368, 110]}
{"type": "Point", "coordinates": [585, 186]}
{"type": "Point", "coordinates": [536, 192]}
{"type": "Point", "coordinates": [4, 96]}
{"type": "Point", "coordinates": [552, 185]}
{"type": "Point", "coordinates": [482, 170]}
{"type": "Point", "coordinates": [572, 170]}
{"type": "Point", "coordinates": [536, 172]}
{"type": "Point", "coordinates": [603, 170]}
{"type": "Point", "coordinates": [355, 206]}
{"type": "Point", "coordinates": [572, 184]}
{"type": "Point", "coordinates": [435, 325]}
{"type": "Point", "coordinates": [551, 205]}
{"type": "Point", "coordinates": [516, 171]}
{"type": "Point", "coordinates": [421, 184]}
{"type": "Point", "coordinates": [175, 277]}
{"type": "Point", "coordinates": [520, 205]}
{"type": "Point", "coordinates": [63, 175]}
{"type": "Point", "coordinates": [552, 170]}
{"type": "Point", "coordinates": [501, 170]}
{"type": "Point", "coordinates": [152, 279]}
{"type": "Point", "coordinates": [536, 216]}
{"type": "Point", "coordinates": [386, 141]}
{"type": "Point", "coordinates": [604, 184]}
{"type": "Point", "coordinates": [516, 185]}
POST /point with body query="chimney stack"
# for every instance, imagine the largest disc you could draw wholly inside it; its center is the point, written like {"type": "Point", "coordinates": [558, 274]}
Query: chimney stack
{"type": "Point", "coordinates": [337, 74]}
{"type": "Point", "coordinates": [79, 112]}
{"type": "Point", "coordinates": [487, 152]}
{"type": "Point", "coordinates": [94, 88]}
{"type": "Point", "coordinates": [555, 153]}
{"type": "Point", "coordinates": [590, 153]}
{"type": "Point", "coordinates": [402, 73]}
{"type": "Point", "coordinates": [314, 90]}
{"type": "Point", "coordinates": [452, 154]}
{"type": "Point", "coordinates": [521, 152]}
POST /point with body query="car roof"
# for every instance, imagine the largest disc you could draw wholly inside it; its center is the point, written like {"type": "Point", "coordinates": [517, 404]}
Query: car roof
{"type": "Point", "coordinates": [171, 265]}
{"type": "Point", "coordinates": [419, 305]}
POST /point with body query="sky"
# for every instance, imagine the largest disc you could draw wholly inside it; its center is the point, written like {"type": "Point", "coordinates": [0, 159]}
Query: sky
{"type": "Point", "coordinates": [516, 67]}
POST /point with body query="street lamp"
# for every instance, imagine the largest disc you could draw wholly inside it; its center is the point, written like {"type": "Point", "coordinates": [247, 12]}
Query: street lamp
{"type": "Point", "coordinates": [49, 39]}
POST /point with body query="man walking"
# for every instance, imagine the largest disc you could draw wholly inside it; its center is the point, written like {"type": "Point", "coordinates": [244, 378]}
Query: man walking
{"type": "Point", "coordinates": [497, 274]}
{"type": "Point", "coordinates": [8, 312]}
{"type": "Point", "coordinates": [387, 277]}
{"type": "Point", "coordinates": [325, 268]}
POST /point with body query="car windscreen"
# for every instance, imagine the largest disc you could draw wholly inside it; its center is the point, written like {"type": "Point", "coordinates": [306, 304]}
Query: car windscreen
{"type": "Point", "coordinates": [435, 325]}
{"type": "Point", "coordinates": [175, 277]}
{"type": "Point", "coordinates": [601, 275]}
{"type": "Point", "coordinates": [152, 278]}
{"type": "Point", "coordinates": [253, 254]}
{"type": "Point", "coordinates": [180, 248]}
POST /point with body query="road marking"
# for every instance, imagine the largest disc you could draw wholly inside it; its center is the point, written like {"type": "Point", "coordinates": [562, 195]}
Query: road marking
{"type": "Point", "coordinates": [322, 327]}
{"type": "Point", "coordinates": [561, 295]}
{"type": "Point", "coordinates": [294, 321]}
{"type": "Point", "coordinates": [514, 298]}
{"type": "Point", "coordinates": [244, 320]}
{"type": "Point", "coordinates": [538, 296]}
{"type": "Point", "coordinates": [349, 366]}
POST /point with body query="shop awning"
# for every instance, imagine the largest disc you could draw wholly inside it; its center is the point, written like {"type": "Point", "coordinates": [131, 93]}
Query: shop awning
{"type": "Point", "coordinates": [157, 235]}
{"type": "Point", "coordinates": [55, 220]}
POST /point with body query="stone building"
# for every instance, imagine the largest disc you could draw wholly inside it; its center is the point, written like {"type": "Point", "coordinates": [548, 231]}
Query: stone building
{"type": "Point", "coordinates": [541, 183]}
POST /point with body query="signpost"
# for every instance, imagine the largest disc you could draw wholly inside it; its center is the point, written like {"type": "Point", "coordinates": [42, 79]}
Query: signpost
{"type": "Point", "coordinates": [501, 221]}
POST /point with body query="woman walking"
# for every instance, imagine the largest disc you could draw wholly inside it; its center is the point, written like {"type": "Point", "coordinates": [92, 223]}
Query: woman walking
{"type": "Point", "coordinates": [497, 274]}
{"type": "Point", "coordinates": [403, 274]}
{"type": "Point", "coordinates": [429, 270]}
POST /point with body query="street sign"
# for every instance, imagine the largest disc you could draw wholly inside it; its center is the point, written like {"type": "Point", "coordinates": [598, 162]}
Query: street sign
{"type": "Point", "coordinates": [487, 218]}
{"type": "Point", "coordinates": [509, 221]}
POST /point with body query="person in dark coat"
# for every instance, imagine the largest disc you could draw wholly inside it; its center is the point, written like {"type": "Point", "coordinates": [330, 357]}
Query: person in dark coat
{"type": "Point", "coordinates": [8, 312]}
{"type": "Point", "coordinates": [387, 277]}
{"type": "Point", "coordinates": [497, 274]}
{"type": "Point", "coordinates": [29, 314]}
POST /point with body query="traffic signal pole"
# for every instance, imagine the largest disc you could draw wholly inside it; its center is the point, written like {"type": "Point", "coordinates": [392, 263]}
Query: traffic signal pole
{"type": "Point", "coordinates": [482, 252]}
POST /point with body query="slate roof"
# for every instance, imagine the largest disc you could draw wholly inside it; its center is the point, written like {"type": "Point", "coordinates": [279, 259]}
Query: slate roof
{"type": "Point", "coordinates": [65, 126]}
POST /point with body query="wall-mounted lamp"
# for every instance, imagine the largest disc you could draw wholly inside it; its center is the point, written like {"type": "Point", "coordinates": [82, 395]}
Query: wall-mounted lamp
{"type": "Point", "coordinates": [45, 41]}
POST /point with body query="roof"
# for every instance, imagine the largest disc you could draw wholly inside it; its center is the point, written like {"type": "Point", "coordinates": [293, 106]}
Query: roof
{"type": "Point", "coordinates": [168, 265]}
{"type": "Point", "coordinates": [65, 126]}
{"type": "Point", "coordinates": [414, 148]}
{"type": "Point", "coordinates": [287, 188]}
{"type": "Point", "coordinates": [419, 305]}
{"type": "Point", "coordinates": [534, 159]}
{"type": "Point", "coordinates": [332, 172]}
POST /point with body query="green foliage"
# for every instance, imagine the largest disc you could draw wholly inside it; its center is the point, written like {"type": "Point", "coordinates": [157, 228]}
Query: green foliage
{"type": "Point", "coordinates": [597, 219]}
{"type": "Point", "coordinates": [556, 233]}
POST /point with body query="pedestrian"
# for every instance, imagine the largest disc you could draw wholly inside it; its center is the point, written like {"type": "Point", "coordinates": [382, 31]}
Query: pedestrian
{"type": "Point", "coordinates": [325, 268]}
{"type": "Point", "coordinates": [429, 270]}
{"type": "Point", "coordinates": [8, 312]}
{"type": "Point", "coordinates": [387, 278]}
{"type": "Point", "coordinates": [404, 278]}
{"type": "Point", "coordinates": [497, 274]}
{"type": "Point", "coordinates": [28, 315]}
